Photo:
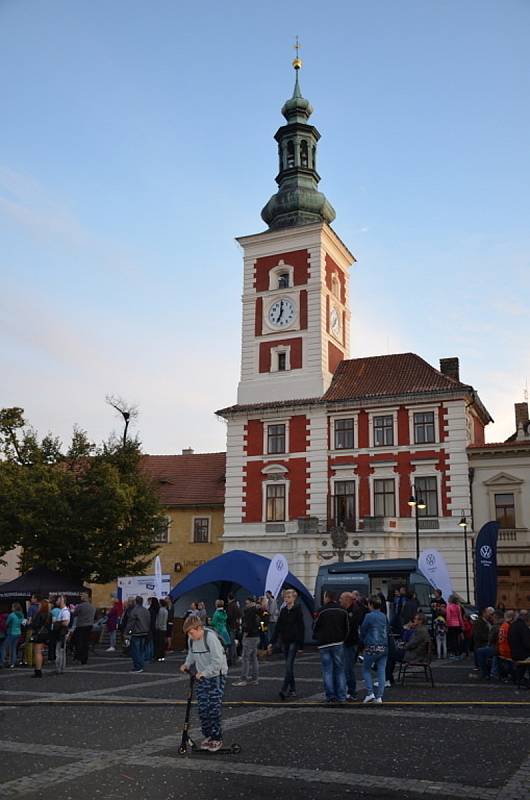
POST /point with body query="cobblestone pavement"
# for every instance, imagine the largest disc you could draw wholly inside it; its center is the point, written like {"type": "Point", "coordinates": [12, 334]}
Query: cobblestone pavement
{"type": "Point", "coordinates": [100, 731]}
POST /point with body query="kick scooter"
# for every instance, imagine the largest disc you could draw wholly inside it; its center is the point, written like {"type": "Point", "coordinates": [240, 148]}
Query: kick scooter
{"type": "Point", "coordinates": [187, 743]}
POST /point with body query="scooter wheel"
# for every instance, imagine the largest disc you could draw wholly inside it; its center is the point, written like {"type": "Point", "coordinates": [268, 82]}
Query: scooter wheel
{"type": "Point", "coordinates": [236, 748]}
{"type": "Point", "coordinates": [182, 750]}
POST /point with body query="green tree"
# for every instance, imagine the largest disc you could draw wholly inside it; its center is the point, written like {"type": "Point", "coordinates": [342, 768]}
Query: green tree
{"type": "Point", "coordinates": [90, 512]}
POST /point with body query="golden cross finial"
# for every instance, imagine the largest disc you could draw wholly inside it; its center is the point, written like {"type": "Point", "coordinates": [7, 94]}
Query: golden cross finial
{"type": "Point", "coordinates": [297, 63]}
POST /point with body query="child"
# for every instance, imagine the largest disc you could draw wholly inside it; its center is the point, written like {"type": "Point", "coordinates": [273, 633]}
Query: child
{"type": "Point", "coordinates": [440, 634]}
{"type": "Point", "coordinates": [207, 656]}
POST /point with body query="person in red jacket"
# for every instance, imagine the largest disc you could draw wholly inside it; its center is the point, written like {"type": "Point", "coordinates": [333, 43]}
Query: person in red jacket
{"type": "Point", "coordinates": [455, 626]}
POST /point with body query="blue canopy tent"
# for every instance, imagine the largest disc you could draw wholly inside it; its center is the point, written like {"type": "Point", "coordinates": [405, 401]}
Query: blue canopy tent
{"type": "Point", "coordinates": [237, 571]}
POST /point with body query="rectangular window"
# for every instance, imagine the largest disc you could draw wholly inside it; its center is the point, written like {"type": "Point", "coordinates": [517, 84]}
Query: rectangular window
{"type": "Point", "coordinates": [275, 498]}
{"type": "Point", "coordinates": [384, 497]}
{"type": "Point", "coordinates": [383, 430]}
{"type": "Point", "coordinates": [505, 510]}
{"type": "Point", "coordinates": [344, 505]}
{"type": "Point", "coordinates": [282, 362]}
{"type": "Point", "coordinates": [423, 427]}
{"type": "Point", "coordinates": [344, 434]}
{"type": "Point", "coordinates": [276, 439]}
{"type": "Point", "coordinates": [201, 530]}
{"type": "Point", "coordinates": [426, 491]}
{"type": "Point", "coordinates": [161, 535]}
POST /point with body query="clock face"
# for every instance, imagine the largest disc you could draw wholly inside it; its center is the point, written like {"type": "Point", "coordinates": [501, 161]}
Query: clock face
{"type": "Point", "coordinates": [282, 313]}
{"type": "Point", "coordinates": [334, 322]}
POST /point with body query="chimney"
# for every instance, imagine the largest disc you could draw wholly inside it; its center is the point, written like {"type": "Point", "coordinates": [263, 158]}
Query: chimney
{"type": "Point", "coordinates": [521, 414]}
{"type": "Point", "coordinates": [450, 367]}
{"type": "Point", "coordinates": [187, 451]}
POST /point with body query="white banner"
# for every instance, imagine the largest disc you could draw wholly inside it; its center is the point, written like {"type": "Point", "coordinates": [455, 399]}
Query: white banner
{"type": "Point", "coordinates": [432, 565]}
{"type": "Point", "coordinates": [143, 585]}
{"type": "Point", "coordinates": [276, 574]}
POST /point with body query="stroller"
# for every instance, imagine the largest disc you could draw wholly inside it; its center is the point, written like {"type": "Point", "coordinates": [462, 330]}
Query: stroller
{"type": "Point", "coordinates": [187, 743]}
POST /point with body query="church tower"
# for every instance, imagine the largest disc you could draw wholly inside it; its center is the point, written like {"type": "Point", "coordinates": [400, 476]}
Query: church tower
{"type": "Point", "coordinates": [295, 291]}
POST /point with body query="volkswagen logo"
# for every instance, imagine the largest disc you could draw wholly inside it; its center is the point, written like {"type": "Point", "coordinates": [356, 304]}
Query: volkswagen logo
{"type": "Point", "coordinates": [431, 560]}
{"type": "Point", "coordinates": [486, 551]}
{"type": "Point", "coordinates": [279, 564]}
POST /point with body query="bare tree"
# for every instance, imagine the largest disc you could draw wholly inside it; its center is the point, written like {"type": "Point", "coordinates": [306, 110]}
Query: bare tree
{"type": "Point", "coordinates": [127, 411]}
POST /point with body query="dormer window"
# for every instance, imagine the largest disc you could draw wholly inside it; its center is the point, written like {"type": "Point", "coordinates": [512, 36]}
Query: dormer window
{"type": "Point", "coordinates": [290, 155]}
{"type": "Point", "coordinates": [304, 157]}
{"type": "Point", "coordinates": [283, 280]}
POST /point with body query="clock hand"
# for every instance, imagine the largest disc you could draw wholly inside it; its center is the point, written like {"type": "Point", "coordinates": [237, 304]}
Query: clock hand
{"type": "Point", "coordinates": [281, 311]}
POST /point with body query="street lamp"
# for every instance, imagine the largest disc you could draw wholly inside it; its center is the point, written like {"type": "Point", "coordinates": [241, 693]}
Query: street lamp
{"type": "Point", "coordinates": [463, 524]}
{"type": "Point", "coordinates": [417, 504]}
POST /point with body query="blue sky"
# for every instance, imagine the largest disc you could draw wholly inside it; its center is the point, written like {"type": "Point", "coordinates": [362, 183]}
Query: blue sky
{"type": "Point", "coordinates": [137, 141]}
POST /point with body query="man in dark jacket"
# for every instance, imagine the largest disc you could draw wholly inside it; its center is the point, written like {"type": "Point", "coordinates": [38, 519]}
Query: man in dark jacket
{"type": "Point", "coordinates": [138, 626]}
{"type": "Point", "coordinates": [481, 631]}
{"type": "Point", "coordinates": [249, 656]}
{"type": "Point", "coordinates": [356, 612]}
{"type": "Point", "coordinates": [330, 631]}
{"type": "Point", "coordinates": [289, 629]}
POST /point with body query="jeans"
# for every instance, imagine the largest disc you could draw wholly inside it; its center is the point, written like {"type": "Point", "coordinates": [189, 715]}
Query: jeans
{"type": "Point", "coordinates": [289, 651]}
{"type": "Point", "coordinates": [81, 640]}
{"type": "Point", "coordinates": [137, 651]}
{"type": "Point", "coordinates": [112, 638]}
{"type": "Point", "coordinates": [483, 654]}
{"type": "Point", "coordinates": [209, 702]}
{"type": "Point", "coordinates": [333, 675]}
{"type": "Point", "coordinates": [379, 661]}
{"type": "Point", "coordinates": [350, 657]}
{"type": "Point", "coordinates": [11, 647]}
{"type": "Point", "coordinates": [149, 648]}
{"type": "Point", "coordinates": [249, 663]}
{"type": "Point", "coordinates": [60, 654]}
{"type": "Point", "coordinates": [441, 646]}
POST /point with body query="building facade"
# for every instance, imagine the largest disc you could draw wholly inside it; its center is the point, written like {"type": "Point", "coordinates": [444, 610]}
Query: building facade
{"type": "Point", "coordinates": [317, 441]}
{"type": "Point", "coordinates": [500, 480]}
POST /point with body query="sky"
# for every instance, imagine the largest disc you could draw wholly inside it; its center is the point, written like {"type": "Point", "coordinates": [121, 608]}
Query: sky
{"type": "Point", "coordinates": [136, 143]}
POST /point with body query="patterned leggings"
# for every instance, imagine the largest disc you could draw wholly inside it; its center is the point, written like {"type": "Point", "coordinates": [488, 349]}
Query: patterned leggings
{"type": "Point", "coordinates": [209, 701]}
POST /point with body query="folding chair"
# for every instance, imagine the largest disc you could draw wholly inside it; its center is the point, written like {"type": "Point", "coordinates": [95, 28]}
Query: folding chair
{"type": "Point", "coordinates": [415, 668]}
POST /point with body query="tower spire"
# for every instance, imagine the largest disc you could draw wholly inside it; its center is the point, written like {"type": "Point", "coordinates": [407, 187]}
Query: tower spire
{"type": "Point", "coordinates": [297, 201]}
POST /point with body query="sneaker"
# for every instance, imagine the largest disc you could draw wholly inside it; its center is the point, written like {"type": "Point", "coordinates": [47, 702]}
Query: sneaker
{"type": "Point", "coordinates": [351, 698]}
{"type": "Point", "coordinates": [11, 666]}
{"type": "Point", "coordinates": [253, 683]}
{"type": "Point", "coordinates": [110, 650]}
{"type": "Point", "coordinates": [369, 698]}
{"type": "Point", "coordinates": [387, 684]}
{"type": "Point", "coordinates": [378, 701]}
{"type": "Point", "coordinates": [282, 695]}
{"type": "Point", "coordinates": [205, 744]}
{"type": "Point", "coordinates": [161, 659]}
{"type": "Point", "coordinates": [240, 683]}
{"type": "Point", "coordinates": [215, 745]}
{"type": "Point", "coordinates": [292, 693]}
{"type": "Point", "coordinates": [137, 670]}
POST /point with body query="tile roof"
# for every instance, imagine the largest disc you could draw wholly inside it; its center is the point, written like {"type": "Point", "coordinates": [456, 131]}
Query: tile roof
{"type": "Point", "coordinates": [509, 444]}
{"type": "Point", "coordinates": [380, 376]}
{"type": "Point", "coordinates": [187, 480]}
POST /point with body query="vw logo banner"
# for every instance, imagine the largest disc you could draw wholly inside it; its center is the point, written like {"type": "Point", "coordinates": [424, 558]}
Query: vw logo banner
{"type": "Point", "coordinates": [486, 565]}
{"type": "Point", "coordinates": [276, 574]}
{"type": "Point", "coordinates": [432, 565]}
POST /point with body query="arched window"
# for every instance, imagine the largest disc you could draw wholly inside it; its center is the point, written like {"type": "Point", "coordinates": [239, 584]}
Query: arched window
{"type": "Point", "coordinates": [290, 154]}
{"type": "Point", "coordinates": [304, 158]}
{"type": "Point", "coordinates": [314, 165]}
{"type": "Point", "coordinates": [283, 280]}
{"type": "Point", "coordinates": [280, 156]}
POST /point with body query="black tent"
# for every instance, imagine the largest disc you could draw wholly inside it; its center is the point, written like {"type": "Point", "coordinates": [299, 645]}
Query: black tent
{"type": "Point", "coordinates": [42, 582]}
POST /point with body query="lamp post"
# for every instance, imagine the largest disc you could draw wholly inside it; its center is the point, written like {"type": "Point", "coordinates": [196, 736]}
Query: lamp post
{"type": "Point", "coordinates": [463, 524]}
{"type": "Point", "coordinates": [416, 503]}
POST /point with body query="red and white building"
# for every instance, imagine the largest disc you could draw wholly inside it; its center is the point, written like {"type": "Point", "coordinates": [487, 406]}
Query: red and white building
{"type": "Point", "coordinates": [316, 439]}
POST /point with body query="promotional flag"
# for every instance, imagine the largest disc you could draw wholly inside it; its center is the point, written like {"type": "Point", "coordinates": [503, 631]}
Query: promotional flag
{"type": "Point", "coordinates": [276, 574]}
{"type": "Point", "coordinates": [158, 577]}
{"type": "Point", "coordinates": [432, 565]}
{"type": "Point", "coordinates": [486, 565]}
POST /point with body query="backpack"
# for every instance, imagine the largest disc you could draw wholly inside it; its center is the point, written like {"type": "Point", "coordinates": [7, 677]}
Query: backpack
{"type": "Point", "coordinates": [214, 632]}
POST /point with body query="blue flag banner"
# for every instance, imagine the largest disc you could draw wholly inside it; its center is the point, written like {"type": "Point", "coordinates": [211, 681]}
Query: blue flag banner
{"type": "Point", "coordinates": [486, 565]}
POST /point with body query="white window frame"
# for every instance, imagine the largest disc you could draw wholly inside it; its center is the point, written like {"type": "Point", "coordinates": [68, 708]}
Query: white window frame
{"type": "Point", "coordinates": [428, 472]}
{"type": "Point", "coordinates": [280, 480]}
{"type": "Point", "coordinates": [381, 476]}
{"type": "Point", "coordinates": [345, 474]}
{"type": "Point", "coordinates": [274, 275]}
{"type": "Point", "coordinates": [352, 415]}
{"type": "Point", "coordinates": [169, 523]}
{"type": "Point", "coordinates": [504, 483]}
{"type": "Point", "coordinates": [383, 412]}
{"type": "Point", "coordinates": [201, 516]}
{"type": "Point", "coordinates": [275, 352]}
{"type": "Point", "coordinates": [266, 423]}
{"type": "Point", "coordinates": [424, 410]}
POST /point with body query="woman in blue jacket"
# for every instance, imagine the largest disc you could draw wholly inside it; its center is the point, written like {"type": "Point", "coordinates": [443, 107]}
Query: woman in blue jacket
{"type": "Point", "coordinates": [373, 635]}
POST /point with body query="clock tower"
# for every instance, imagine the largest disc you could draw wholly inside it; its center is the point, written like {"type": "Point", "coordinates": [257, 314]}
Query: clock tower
{"type": "Point", "coordinates": [295, 289]}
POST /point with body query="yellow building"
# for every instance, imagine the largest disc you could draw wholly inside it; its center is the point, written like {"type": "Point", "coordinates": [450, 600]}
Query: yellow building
{"type": "Point", "coordinates": [192, 491]}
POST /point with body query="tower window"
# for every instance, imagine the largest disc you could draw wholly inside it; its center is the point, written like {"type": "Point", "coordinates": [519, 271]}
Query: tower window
{"type": "Point", "coordinates": [275, 502]}
{"type": "Point", "coordinates": [304, 158]}
{"type": "Point", "coordinates": [314, 157]}
{"type": "Point", "coordinates": [283, 280]}
{"type": "Point", "coordinates": [276, 439]}
{"type": "Point", "coordinates": [290, 155]}
{"type": "Point", "coordinates": [282, 362]}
